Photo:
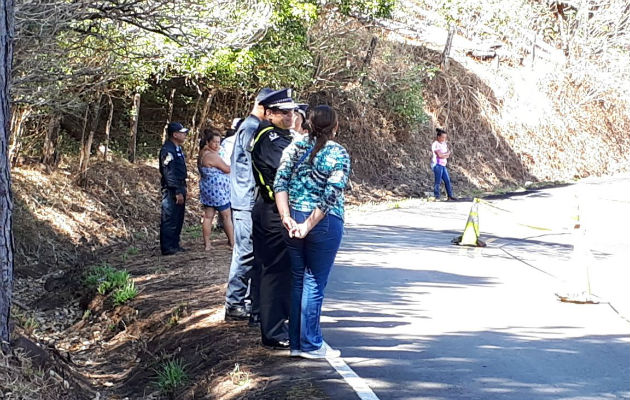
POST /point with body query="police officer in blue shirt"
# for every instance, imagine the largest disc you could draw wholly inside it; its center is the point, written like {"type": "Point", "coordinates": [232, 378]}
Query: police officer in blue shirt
{"type": "Point", "coordinates": [173, 182]}
{"type": "Point", "coordinates": [270, 250]}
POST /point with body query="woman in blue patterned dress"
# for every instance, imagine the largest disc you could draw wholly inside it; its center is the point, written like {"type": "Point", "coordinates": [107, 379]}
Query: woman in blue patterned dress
{"type": "Point", "coordinates": [214, 186]}
{"type": "Point", "coordinates": [309, 192]}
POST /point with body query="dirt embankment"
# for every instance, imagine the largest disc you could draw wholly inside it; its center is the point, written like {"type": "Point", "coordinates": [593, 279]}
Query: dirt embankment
{"type": "Point", "coordinates": [97, 349]}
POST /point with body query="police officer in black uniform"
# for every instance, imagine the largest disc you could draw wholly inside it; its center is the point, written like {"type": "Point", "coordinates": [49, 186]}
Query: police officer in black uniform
{"type": "Point", "coordinates": [173, 172]}
{"type": "Point", "coordinates": [272, 137]}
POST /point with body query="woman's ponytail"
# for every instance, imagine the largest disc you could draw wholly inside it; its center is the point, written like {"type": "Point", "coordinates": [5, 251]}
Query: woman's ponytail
{"type": "Point", "coordinates": [323, 122]}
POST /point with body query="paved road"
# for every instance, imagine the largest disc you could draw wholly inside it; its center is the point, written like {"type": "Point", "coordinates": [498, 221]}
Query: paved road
{"type": "Point", "coordinates": [419, 318]}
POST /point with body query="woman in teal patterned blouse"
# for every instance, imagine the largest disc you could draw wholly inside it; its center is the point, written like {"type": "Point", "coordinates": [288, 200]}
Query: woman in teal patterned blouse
{"type": "Point", "coordinates": [309, 192]}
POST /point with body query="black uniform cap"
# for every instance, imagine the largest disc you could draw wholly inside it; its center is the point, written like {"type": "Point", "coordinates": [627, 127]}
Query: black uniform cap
{"type": "Point", "coordinates": [176, 127]}
{"type": "Point", "coordinates": [280, 99]}
{"type": "Point", "coordinates": [264, 92]}
{"type": "Point", "coordinates": [302, 109]}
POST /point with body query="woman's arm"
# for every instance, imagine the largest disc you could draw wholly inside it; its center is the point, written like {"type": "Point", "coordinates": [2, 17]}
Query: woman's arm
{"type": "Point", "coordinates": [442, 155]}
{"type": "Point", "coordinates": [281, 187]}
{"type": "Point", "coordinates": [284, 171]}
{"type": "Point", "coordinates": [335, 184]}
{"type": "Point", "coordinates": [336, 181]}
{"type": "Point", "coordinates": [282, 202]}
{"type": "Point", "coordinates": [213, 160]}
{"type": "Point", "coordinates": [301, 230]}
{"type": "Point", "coordinates": [436, 149]}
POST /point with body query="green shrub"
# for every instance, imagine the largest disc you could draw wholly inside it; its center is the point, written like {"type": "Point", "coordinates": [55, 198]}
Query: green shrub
{"type": "Point", "coordinates": [96, 274]}
{"type": "Point", "coordinates": [404, 98]}
{"type": "Point", "coordinates": [171, 376]}
{"type": "Point", "coordinates": [106, 279]}
{"type": "Point", "coordinates": [125, 293]}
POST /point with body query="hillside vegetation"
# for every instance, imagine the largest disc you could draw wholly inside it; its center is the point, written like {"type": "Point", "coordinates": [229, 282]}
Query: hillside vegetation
{"type": "Point", "coordinates": [551, 104]}
{"type": "Point", "coordinates": [529, 95]}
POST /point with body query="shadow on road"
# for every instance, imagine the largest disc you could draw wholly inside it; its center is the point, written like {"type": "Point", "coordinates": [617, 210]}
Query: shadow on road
{"type": "Point", "coordinates": [380, 298]}
{"type": "Point", "coordinates": [466, 364]}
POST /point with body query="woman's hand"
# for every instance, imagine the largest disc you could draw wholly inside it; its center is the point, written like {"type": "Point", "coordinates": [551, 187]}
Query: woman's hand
{"type": "Point", "coordinates": [289, 224]}
{"type": "Point", "coordinates": [301, 230]}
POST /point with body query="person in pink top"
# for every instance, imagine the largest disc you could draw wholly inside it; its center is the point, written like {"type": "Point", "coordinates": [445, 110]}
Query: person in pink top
{"type": "Point", "coordinates": [441, 153]}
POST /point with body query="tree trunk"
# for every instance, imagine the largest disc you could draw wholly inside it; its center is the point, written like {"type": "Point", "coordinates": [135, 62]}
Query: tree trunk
{"type": "Point", "coordinates": [108, 126]}
{"type": "Point", "coordinates": [82, 146]}
{"type": "Point", "coordinates": [6, 198]}
{"type": "Point", "coordinates": [17, 127]}
{"type": "Point", "coordinates": [171, 101]}
{"type": "Point", "coordinates": [367, 61]}
{"type": "Point", "coordinates": [202, 122]}
{"type": "Point", "coordinates": [49, 156]}
{"type": "Point", "coordinates": [533, 59]}
{"type": "Point", "coordinates": [133, 132]}
{"type": "Point", "coordinates": [447, 48]}
{"type": "Point", "coordinates": [206, 110]}
{"type": "Point", "coordinates": [190, 145]}
{"type": "Point", "coordinates": [87, 148]}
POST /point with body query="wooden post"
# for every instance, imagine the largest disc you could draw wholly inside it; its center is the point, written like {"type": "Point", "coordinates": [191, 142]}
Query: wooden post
{"type": "Point", "coordinates": [171, 101]}
{"type": "Point", "coordinates": [7, 33]}
{"type": "Point", "coordinates": [444, 61]}
{"type": "Point", "coordinates": [133, 131]}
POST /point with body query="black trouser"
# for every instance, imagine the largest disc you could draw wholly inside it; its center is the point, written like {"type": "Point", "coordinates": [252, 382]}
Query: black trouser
{"type": "Point", "coordinates": [270, 251]}
{"type": "Point", "coordinates": [171, 222]}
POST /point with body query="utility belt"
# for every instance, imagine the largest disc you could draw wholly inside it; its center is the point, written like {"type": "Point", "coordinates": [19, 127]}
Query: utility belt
{"type": "Point", "coordinates": [182, 188]}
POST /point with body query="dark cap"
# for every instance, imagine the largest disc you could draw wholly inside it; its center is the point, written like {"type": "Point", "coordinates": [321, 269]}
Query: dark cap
{"type": "Point", "coordinates": [280, 99]}
{"type": "Point", "coordinates": [176, 127]}
{"type": "Point", "coordinates": [264, 92]}
{"type": "Point", "coordinates": [302, 109]}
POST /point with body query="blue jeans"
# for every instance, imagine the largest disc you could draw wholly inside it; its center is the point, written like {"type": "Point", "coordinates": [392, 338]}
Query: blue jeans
{"type": "Point", "coordinates": [441, 174]}
{"type": "Point", "coordinates": [242, 258]}
{"type": "Point", "coordinates": [312, 259]}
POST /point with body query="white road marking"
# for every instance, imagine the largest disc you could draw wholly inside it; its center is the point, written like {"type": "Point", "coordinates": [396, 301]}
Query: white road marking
{"type": "Point", "coordinates": [355, 381]}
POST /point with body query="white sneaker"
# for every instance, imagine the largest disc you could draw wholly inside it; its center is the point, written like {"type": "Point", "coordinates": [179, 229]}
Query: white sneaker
{"type": "Point", "coordinates": [323, 352]}
{"type": "Point", "coordinates": [295, 353]}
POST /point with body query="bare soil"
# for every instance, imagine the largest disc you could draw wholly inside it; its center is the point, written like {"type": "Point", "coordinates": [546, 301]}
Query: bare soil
{"type": "Point", "coordinates": [104, 351]}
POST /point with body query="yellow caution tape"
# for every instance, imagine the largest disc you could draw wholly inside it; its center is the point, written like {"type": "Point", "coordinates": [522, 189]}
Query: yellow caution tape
{"type": "Point", "coordinates": [540, 228]}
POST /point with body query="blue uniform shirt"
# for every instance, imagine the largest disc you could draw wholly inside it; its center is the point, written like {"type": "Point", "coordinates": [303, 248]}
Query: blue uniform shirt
{"type": "Point", "coordinates": [173, 168]}
{"type": "Point", "coordinates": [242, 184]}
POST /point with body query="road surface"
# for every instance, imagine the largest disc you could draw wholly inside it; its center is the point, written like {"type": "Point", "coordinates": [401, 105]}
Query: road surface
{"type": "Point", "coordinates": [419, 318]}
